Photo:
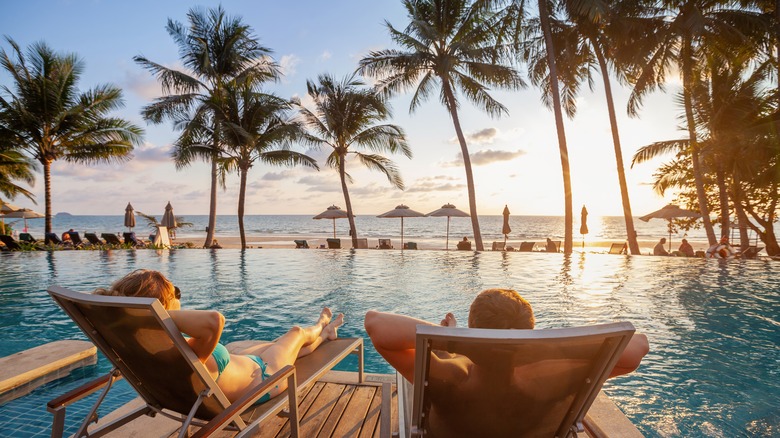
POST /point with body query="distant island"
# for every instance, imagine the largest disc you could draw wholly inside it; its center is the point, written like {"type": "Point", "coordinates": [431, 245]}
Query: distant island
{"type": "Point", "coordinates": [63, 214]}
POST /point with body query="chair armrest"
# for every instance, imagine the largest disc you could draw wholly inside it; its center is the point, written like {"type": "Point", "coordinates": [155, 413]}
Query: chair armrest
{"type": "Point", "coordinates": [247, 400]}
{"type": "Point", "coordinates": [82, 391]}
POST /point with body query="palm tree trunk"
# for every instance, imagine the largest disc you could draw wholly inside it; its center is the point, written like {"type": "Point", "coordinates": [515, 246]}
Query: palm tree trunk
{"type": "Point", "coordinates": [212, 200]}
{"type": "Point", "coordinates": [569, 210]}
{"type": "Point", "coordinates": [47, 190]}
{"type": "Point", "coordinates": [723, 194]}
{"type": "Point", "coordinates": [464, 150]}
{"type": "Point", "coordinates": [347, 201]}
{"type": "Point", "coordinates": [629, 219]}
{"type": "Point", "coordinates": [695, 164]}
{"type": "Point", "coordinates": [739, 212]}
{"type": "Point", "coordinates": [241, 200]}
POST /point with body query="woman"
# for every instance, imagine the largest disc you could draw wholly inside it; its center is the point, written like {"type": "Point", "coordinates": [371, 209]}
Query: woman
{"type": "Point", "coordinates": [234, 373]}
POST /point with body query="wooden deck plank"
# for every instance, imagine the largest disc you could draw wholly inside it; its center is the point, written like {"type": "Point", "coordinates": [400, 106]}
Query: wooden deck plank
{"type": "Point", "coordinates": [393, 413]}
{"type": "Point", "coordinates": [303, 408]}
{"type": "Point", "coordinates": [335, 414]}
{"type": "Point", "coordinates": [371, 422]}
{"type": "Point", "coordinates": [280, 426]}
{"type": "Point", "coordinates": [357, 408]}
{"type": "Point", "coordinates": [320, 410]}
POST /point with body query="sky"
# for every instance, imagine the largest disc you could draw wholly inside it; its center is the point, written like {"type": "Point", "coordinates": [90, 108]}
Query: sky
{"type": "Point", "coordinates": [515, 158]}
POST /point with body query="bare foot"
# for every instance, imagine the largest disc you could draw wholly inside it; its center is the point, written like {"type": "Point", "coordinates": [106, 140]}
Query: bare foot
{"type": "Point", "coordinates": [325, 317]}
{"type": "Point", "coordinates": [449, 321]}
{"type": "Point", "coordinates": [331, 330]}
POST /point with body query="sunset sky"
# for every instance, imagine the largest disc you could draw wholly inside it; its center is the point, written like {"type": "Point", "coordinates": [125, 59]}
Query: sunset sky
{"type": "Point", "coordinates": [515, 158]}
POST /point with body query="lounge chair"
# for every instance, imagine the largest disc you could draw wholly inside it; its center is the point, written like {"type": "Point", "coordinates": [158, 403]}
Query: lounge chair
{"type": "Point", "coordinates": [111, 239]}
{"type": "Point", "coordinates": [75, 238]}
{"type": "Point", "coordinates": [10, 242]}
{"type": "Point", "coordinates": [410, 245]}
{"type": "Point", "coordinates": [617, 248]}
{"type": "Point", "coordinates": [131, 239]}
{"type": "Point", "coordinates": [385, 244]}
{"type": "Point", "coordinates": [362, 244]}
{"type": "Point", "coordinates": [139, 338]}
{"type": "Point", "coordinates": [498, 246]}
{"type": "Point", "coordinates": [535, 382]}
{"type": "Point", "coordinates": [527, 246]}
{"type": "Point", "coordinates": [750, 253]}
{"type": "Point", "coordinates": [301, 244]}
{"type": "Point", "coordinates": [464, 245]}
{"type": "Point", "coordinates": [93, 239]}
{"type": "Point", "coordinates": [52, 238]}
{"type": "Point", "coordinates": [27, 237]}
{"type": "Point", "coordinates": [334, 243]}
{"type": "Point", "coordinates": [161, 239]}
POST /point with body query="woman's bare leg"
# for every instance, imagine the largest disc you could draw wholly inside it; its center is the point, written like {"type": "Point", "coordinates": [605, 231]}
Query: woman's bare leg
{"type": "Point", "coordinates": [288, 347]}
{"type": "Point", "coordinates": [329, 333]}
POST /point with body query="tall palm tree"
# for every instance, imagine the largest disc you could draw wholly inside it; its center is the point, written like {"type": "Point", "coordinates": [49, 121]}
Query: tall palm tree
{"type": "Point", "coordinates": [450, 45]}
{"type": "Point", "coordinates": [345, 118]}
{"type": "Point", "coordinates": [255, 128]}
{"type": "Point", "coordinates": [215, 49]}
{"type": "Point", "coordinates": [48, 119]}
{"type": "Point", "coordinates": [14, 166]}
{"type": "Point", "coordinates": [693, 29]}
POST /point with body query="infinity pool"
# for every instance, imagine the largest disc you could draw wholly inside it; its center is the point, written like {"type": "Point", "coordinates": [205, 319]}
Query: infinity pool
{"type": "Point", "coordinates": [713, 369]}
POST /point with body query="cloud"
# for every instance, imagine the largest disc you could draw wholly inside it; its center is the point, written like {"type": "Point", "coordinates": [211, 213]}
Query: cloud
{"type": "Point", "coordinates": [278, 176]}
{"type": "Point", "coordinates": [483, 136]}
{"type": "Point", "coordinates": [483, 158]}
{"type": "Point", "coordinates": [149, 153]}
{"type": "Point", "coordinates": [288, 65]}
{"type": "Point", "coordinates": [326, 55]}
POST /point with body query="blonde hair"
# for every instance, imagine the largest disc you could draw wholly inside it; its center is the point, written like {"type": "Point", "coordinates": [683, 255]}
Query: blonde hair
{"type": "Point", "coordinates": [142, 283]}
{"type": "Point", "coordinates": [501, 309]}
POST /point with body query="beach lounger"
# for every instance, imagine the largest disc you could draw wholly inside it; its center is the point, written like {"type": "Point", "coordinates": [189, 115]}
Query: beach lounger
{"type": "Point", "coordinates": [617, 248]}
{"type": "Point", "coordinates": [75, 238]}
{"type": "Point", "coordinates": [10, 242]}
{"type": "Point", "coordinates": [52, 238]}
{"type": "Point", "coordinates": [362, 244]}
{"type": "Point", "coordinates": [410, 245]}
{"type": "Point", "coordinates": [527, 246]}
{"type": "Point", "coordinates": [131, 239]}
{"type": "Point", "coordinates": [301, 244]}
{"type": "Point", "coordinates": [464, 245]}
{"type": "Point", "coordinates": [161, 239]}
{"type": "Point", "coordinates": [498, 246]}
{"type": "Point", "coordinates": [27, 237]}
{"type": "Point", "coordinates": [750, 253]}
{"type": "Point", "coordinates": [141, 341]}
{"type": "Point", "coordinates": [385, 244]}
{"type": "Point", "coordinates": [535, 382]}
{"type": "Point", "coordinates": [93, 239]}
{"type": "Point", "coordinates": [111, 239]}
{"type": "Point", "coordinates": [334, 243]}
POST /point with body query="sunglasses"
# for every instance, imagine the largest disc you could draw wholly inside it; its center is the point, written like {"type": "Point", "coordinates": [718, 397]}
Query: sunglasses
{"type": "Point", "coordinates": [177, 292]}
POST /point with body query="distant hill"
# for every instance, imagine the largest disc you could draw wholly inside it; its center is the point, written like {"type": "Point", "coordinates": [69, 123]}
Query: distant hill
{"type": "Point", "coordinates": [63, 214]}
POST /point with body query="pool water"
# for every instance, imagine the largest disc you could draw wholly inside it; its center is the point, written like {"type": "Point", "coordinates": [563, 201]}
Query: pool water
{"type": "Point", "coordinates": [713, 325]}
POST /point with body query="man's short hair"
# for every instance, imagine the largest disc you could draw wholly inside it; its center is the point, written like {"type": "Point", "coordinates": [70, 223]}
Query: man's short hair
{"type": "Point", "coordinates": [501, 309]}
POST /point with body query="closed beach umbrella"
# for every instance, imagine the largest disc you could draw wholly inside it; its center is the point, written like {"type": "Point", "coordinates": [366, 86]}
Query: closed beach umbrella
{"type": "Point", "coordinates": [129, 217]}
{"type": "Point", "coordinates": [168, 219]}
{"type": "Point", "coordinates": [505, 230]}
{"type": "Point", "coordinates": [583, 224]}
{"type": "Point", "coordinates": [448, 210]}
{"type": "Point", "coordinates": [24, 213]}
{"type": "Point", "coordinates": [670, 212]}
{"type": "Point", "coordinates": [402, 211]}
{"type": "Point", "coordinates": [333, 212]}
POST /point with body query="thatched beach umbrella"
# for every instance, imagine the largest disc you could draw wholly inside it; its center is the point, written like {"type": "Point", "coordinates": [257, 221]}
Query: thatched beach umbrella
{"type": "Point", "coordinates": [402, 211]}
{"type": "Point", "coordinates": [448, 210]}
{"type": "Point", "coordinates": [670, 212]}
{"type": "Point", "coordinates": [6, 208]}
{"type": "Point", "coordinates": [24, 213]}
{"type": "Point", "coordinates": [506, 229]}
{"type": "Point", "coordinates": [333, 212]}
{"type": "Point", "coordinates": [129, 217]}
{"type": "Point", "coordinates": [583, 224]}
{"type": "Point", "coordinates": [168, 219]}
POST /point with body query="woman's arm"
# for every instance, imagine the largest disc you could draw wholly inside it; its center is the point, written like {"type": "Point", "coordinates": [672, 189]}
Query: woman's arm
{"type": "Point", "coordinates": [204, 328]}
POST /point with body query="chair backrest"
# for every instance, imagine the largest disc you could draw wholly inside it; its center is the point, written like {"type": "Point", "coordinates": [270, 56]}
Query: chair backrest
{"type": "Point", "coordinates": [75, 238]}
{"type": "Point", "coordinates": [527, 246]}
{"type": "Point", "coordinates": [519, 382]}
{"type": "Point", "coordinates": [161, 239]}
{"type": "Point", "coordinates": [464, 245]}
{"type": "Point", "coordinates": [93, 238]}
{"type": "Point", "coordinates": [130, 238]}
{"type": "Point", "coordinates": [141, 340]}
{"type": "Point", "coordinates": [27, 237]}
{"type": "Point", "coordinates": [52, 238]}
{"type": "Point", "coordinates": [111, 238]}
{"type": "Point", "coordinates": [301, 243]}
{"type": "Point", "coordinates": [334, 243]}
{"type": "Point", "coordinates": [498, 246]}
{"type": "Point", "coordinates": [617, 248]}
{"type": "Point", "coordinates": [750, 253]}
{"type": "Point", "coordinates": [10, 242]}
{"type": "Point", "coordinates": [362, 244]}
{"type": "Point", "coordinates": [410, 245]}
{"type": "Point", "coordinates": [385, 244]}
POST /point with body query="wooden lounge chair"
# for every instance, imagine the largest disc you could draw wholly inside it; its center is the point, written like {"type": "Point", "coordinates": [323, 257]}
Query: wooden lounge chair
{"type": "Point", "coordinates": [132, 240]}
{"type": "Point", "coordinates": [75, 238]}
{"type": "Point", "coordinates": [334, 243]}
{"type": "Point", "coordinates": [10, 242]}
{"type": "Point", "coordinates": [750, 253]}
{"type": "Point", "coordinates": [385, 244]}
{"type": "Point", "coordinates": [531, 382]}
{"type": "Point", "coordinates": [362, 244]}
{"type": "Point", "coordinates": [93, 239]}
{"type": "Point", "coordinates": [498, 246]}
{"type": "Point", "coordinates": [161, 239]}
{"type": "Point", "coordinates": [617, 248]}
{"type": "Point", "coordinates": [27, 237]}
{"type": "Point", "coordinates": [111, 239]}
{"type": "Point", "coordinates": [52, 238]}
{"type": "Point", "coordinates": [146, 348]}
{"type": "Point", "coordinates": [301, 244]}
{"type": "Point", "coordinates": [410, 245]}
{"type": "Point", "coordinates": [527, 246]}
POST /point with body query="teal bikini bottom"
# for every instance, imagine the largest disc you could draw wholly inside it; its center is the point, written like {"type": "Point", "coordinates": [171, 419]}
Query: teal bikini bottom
{"type": "Point", "coordinates": [262, 364]}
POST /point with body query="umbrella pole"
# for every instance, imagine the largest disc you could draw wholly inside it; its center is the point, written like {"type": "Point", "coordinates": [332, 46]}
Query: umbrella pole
{"type": "Point", "coordinates": [402, 233]}
{"type": "Point", "coordinates": [447, 246]}
{"type": "Point", "coordinates": [334, 228]}
{"type": "Point", "coordinates": [670, 235]}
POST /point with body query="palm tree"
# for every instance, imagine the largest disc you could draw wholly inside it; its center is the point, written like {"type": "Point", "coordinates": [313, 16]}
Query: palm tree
{"type": "Point", "coordinates": [450, 45]}
{"type": "Point", "coordinates": [215, 49]}
{"type": "Point", "coordinates": [695, 28]}
{"type": "Point", "coordinates": [48, 119]}
{"type": "Point", "coordinates": [255, 128]}
{"type": "Point", "coordinates": [345, 118]}
{"type": "Point", "coordinates": [14, 166]}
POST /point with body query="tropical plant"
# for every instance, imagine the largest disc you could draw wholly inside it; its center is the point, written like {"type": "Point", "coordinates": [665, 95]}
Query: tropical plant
{"type": "Point", "coordinates": [345, 118]}
{"type": "Point", "coordinates": [47, 118]}
{"type": "Point", "coordinates": [14, 166]}
{"type": "Point", "coordinates": [452, 45]}
{"type": "Point", "coordinates": [214, 49]}
{"type": "Point", "coordinates": [255, 128]}
{"type": "Point", "coordinates": [152, 222]}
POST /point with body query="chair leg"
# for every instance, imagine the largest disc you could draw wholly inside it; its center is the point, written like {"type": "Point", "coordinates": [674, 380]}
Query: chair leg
{"type": "Point", "coordinates": [386, 411]}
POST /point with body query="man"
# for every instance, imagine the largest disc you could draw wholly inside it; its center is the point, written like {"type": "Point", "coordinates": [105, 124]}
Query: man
{"type": "Point", "coordinates": [686, 248]}
{"type": "Point", "coordinates": [659, 249]}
